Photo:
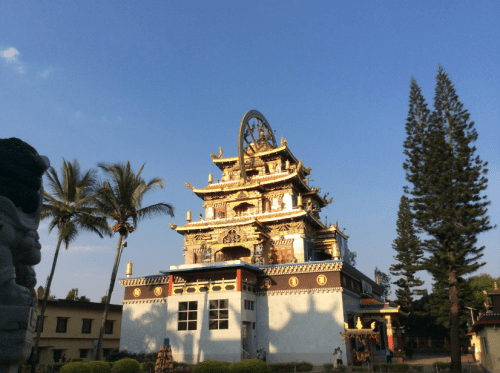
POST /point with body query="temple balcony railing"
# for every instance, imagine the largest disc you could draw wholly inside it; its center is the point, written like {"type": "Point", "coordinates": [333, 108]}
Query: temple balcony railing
{"type": "Point", "coordinates": [219, 286]}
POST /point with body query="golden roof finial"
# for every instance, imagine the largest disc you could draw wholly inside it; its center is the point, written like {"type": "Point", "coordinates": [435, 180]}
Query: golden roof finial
{"type": "Point", "coordinates": [128, 272]}
{"type": "Point", "coordinates": [188, 216]}
{"type": "Point", "coordinates": [358, 324]}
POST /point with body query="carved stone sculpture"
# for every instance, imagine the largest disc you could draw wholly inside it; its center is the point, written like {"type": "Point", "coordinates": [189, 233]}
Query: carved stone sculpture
{"type": "Point", "coordinates": [21, 197]}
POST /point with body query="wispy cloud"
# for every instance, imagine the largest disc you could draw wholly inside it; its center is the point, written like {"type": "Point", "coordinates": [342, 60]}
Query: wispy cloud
{"type": "Point", "coordinates": [44, 74]}
{"type": "Point", "coordinates": [11, 56]}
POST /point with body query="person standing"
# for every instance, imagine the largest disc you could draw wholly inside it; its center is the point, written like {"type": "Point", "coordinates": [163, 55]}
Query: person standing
{"type": "Point", "coordinates": [473, 352]}
{"type": "Point", "coordinates": [388, 355]}
{"type": "Point", "coordinates": [335, 362]}
{"type": "Point", "coordinates": [339, 359]}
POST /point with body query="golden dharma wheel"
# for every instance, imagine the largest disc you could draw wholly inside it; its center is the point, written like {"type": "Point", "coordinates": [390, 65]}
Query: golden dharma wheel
{"type": "Point", "coordinates": [255, 135]}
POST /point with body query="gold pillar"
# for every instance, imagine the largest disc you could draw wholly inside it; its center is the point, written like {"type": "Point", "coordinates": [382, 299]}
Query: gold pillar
{"type": "Point", "coordinates": [188, 216]}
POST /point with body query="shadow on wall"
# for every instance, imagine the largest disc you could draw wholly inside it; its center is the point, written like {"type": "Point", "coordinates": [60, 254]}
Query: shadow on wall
{"type": "Point", "coordinates": [290, 327]}
{"type": "Point", "coordinates": [302, 327]}
{"type": "Point", "coordinates": [143, 327]}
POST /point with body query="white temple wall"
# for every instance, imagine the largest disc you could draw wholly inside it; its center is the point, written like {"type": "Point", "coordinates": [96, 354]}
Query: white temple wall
{"type": "Point", "coordinates": [143, 327]}
{"type": "Point", "coordinates": [298, 246]}
{"type": "Point", "coordinates": [193, 346]}
{"type": "Point", "coordinates": [288, 201]}
{"type": "Point", "coordinates": [300, 327]}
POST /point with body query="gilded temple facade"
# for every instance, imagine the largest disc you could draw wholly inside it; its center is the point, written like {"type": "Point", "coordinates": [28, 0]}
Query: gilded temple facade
{"type": "Point", "coordinates": [272, 218]}
{"type": "Point", "coordinates": [261, 269]}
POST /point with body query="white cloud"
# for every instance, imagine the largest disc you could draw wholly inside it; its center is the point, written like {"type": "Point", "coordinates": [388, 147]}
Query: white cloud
{"type": "Point", "coordinates": [11, 56]}
{"type": "Point", "coordinates": [45, 74]}
{"type": "Point", "coordinates": [78, 114]}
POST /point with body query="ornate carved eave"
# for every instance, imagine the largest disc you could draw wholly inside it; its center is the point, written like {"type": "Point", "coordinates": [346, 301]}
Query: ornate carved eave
{"type": "Point", "coordinates": [252, 183]}
{"type": "Point", "coordinates": [303, 268]}
{"type": "Point", "coordinates": [240, 221]}
{"type": "Point", "coordinates": [153, 280]}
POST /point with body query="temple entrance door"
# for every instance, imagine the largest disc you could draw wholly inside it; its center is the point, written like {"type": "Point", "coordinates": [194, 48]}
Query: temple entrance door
{"type": "Point", "coordinates": [245, 340]}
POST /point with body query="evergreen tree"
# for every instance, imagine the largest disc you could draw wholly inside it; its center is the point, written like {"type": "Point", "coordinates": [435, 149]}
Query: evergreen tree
{"type": "Point", "coordinates": [384, 280]}
{"type": "Point", "coordinates": [409, 257]}
{"type": "Point", "coordinates": [447, 197]}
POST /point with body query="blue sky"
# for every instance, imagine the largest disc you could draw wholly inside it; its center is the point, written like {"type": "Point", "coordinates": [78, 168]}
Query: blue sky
{"type": "Point", "coordinates": [167, 83]}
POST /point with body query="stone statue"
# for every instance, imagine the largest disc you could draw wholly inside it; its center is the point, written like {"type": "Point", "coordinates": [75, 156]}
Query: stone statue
{"type": "Point", "coordinates": [21, 197]}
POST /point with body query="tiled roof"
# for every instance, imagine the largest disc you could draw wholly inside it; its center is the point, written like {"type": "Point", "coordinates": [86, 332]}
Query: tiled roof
{"type": "Point", "coordinates": [370, 301]}
{"type": "Point", "coordinates": [486, 319]}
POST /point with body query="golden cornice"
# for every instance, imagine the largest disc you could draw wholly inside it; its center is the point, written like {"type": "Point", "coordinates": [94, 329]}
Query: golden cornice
{"type": "Point", "coordinates": [229, 222]}
{"type": "Point", "coordinates": [253, 182]}
{"type": "Point", "coordinates": [155, 280]}
{"type": "Point", "coordinates": [259, 154]}
{"type": "Point", "coordinates": [303, 268]}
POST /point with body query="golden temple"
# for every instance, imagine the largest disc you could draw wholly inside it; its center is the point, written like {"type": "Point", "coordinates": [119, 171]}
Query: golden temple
{"type": "Point", "coordinates": [262, 210]}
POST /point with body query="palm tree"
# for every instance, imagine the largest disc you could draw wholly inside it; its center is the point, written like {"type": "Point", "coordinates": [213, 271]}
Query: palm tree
{"type": "Point", "coordinates": [70, 208]}
{"type": "Point", "coordinates": [119, 198]}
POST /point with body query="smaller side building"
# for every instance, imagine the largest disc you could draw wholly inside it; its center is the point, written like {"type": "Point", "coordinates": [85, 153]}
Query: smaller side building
{"type": "Point", "coordinates": [72, 328]}
{"type": "Point", "coordinates": [485, 334]}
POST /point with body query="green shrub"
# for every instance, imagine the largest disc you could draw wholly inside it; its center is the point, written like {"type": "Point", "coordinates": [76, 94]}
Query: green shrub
{"type": "Point", "coordinates": [250, 366]}
{"type": "Point", "coordinates": [149, 364]}
{"type": "Point", "coordinates": [58, 366]}
{"type": "Point", "coordinates": [304, 367]}
{"type": "Point", "coordinates": [76, 360]}
{"type": "Point", "coordinates": [418, 368]}
{"type": "Point", "coordinates": [127, 365]}
{"type": "Point", "coordinates": [77, 367]}
{"type": "Point", "coordinates": [211, 366]}
{"type": "Point", "coordinates": [99, 367]}
{"type": "Point", "coordinates": [282, 367]}
{"type": "Point", "coordinates": [441, 365]}
{"type": "Point", "coordinates": [327, 366]}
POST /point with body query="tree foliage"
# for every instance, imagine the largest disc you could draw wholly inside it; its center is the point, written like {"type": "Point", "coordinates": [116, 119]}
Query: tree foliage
{"type": "Point", "coordinates": [69, 207]}
{"type": "Point", "coordinates": [73, 295]}
{"type": "Point", "coordinates": [119, 199]}
{"type": "Point", "coordinates": [409, 255]}
{"type": "Point", "coordinates": [385, 281]}
{"type": "Point", "coordinates": [447, 184]}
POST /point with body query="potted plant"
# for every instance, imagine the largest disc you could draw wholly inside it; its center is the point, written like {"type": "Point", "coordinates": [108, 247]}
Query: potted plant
{"type": "Point", "coordinates": [400, 355]}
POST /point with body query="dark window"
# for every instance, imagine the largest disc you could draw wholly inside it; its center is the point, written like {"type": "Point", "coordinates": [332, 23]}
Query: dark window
{"type": "Point", "coordinates": [83, 353]}
{"type": "Point", "coordinates": [87, 326]}
{"type": "Point", "coordinates": [106, 352]}
{"type": "Point", "coordinates": [188, 315]}
{"type": "Point", "coordinates": [38, 320]}
{"type": "Point", "coordinates": [62, 324]}
{"type": "Point", "coordinates": [253, 325]}
{"type": "Point", "coordinates": [249, 304]}
{"type": "Point", "coordinates": [108, 328]}
{"type": "Point", "coordinates": [218, 314]}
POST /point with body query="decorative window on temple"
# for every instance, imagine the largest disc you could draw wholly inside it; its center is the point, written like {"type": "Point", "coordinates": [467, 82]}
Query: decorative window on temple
{"type": "Point", "coordinates": [285, 255]}
{"type": "Point", "coordinates": [277, 204]}
{"type": "Point", "coordinates": [218, 314]}
{"type": "Point", "coordinates": [188, 316]}
{"type": "Point", "coordinates": [220, 212]}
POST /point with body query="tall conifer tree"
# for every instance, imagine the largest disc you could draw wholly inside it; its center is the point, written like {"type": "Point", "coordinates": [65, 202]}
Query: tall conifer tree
{"type": "Point", "coordinates": [448, 202]}
{"type": "Point", "coordinates": [408, 258]}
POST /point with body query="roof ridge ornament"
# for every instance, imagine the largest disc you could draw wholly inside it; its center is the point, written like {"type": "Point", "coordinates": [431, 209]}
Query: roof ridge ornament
{"type": "Point", "coordinates": [253, 137]}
